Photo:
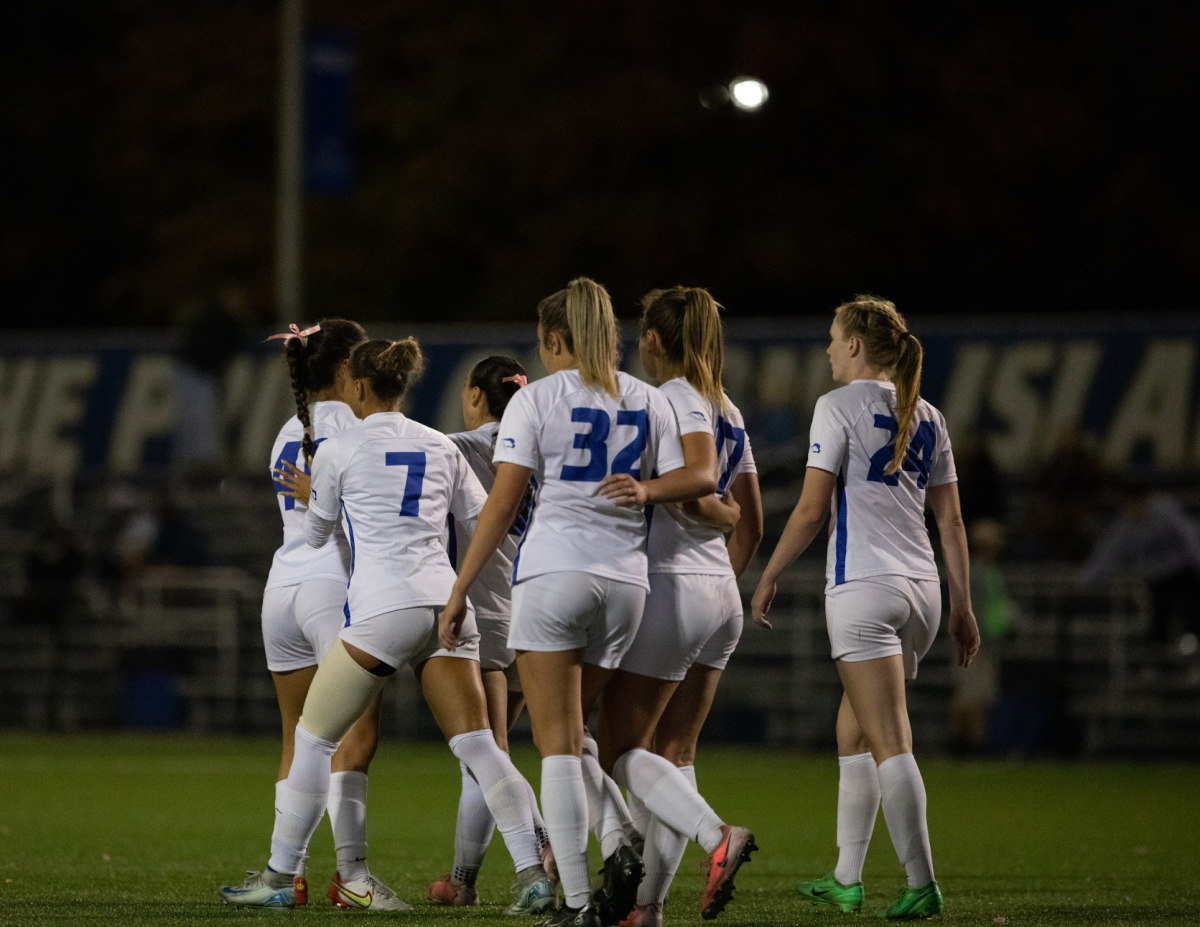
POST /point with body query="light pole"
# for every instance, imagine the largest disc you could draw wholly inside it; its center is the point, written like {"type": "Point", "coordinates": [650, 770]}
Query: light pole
{"type": "Point", "coordinates": [289, 191]}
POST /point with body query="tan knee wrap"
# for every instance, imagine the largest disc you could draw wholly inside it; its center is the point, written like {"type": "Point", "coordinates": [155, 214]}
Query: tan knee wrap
{"type": "Point", "coordinates": [339, 694]}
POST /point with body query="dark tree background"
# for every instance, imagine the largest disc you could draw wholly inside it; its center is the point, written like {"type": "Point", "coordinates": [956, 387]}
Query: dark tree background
{"type": "Point", "coordinates": [955, 158]}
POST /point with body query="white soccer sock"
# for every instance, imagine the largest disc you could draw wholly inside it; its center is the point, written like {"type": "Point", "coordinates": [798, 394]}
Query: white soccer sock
{"type": "Point", "coordinates": [348, 817]}
{"type": "Point", "coordinates": [564, 803]}
{"type": "Point", "coordinates": [640, 814]}
{"type": "Point", "coordinates": [302, 801]}
{"type": "Point", "coordinates": [664, 853]}
{"type": "Point", "coordinates": [903, 794]}
{"type": "Point", "coordinates": [604, 817]}
{"type": "Point", "coordinates": [500, 782]}
{"type": "Point", "coordinates": [669, 796]}
{"type": "Point", "coordinates": [858, 806]}
{"type": "Point", "coordinates": [539, 825]}
{"type": "Point", "coordinates": [472, 830]}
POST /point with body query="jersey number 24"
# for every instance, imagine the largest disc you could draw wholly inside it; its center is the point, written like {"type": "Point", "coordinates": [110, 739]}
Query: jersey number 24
{"type": "Point", "coordinates": [918, 458]}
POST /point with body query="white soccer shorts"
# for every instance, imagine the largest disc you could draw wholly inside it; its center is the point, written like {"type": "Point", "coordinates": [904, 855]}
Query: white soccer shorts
{"type": "Point", "coordinates": [882, 616]}
{"type": "Point", "coordinates": [301, 622]}
{"type": "Point", "coordinates": [689, 618]}
{"type": "Point", "coordinates": [565, 611]}
{"type": "Point", "coordinates": [494, 652]}
{"type": "Point", "coordinates": [409, 636]}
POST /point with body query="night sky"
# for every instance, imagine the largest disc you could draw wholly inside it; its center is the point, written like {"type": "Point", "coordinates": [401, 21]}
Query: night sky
{"type": "Point", "coordinates": [952, 158]}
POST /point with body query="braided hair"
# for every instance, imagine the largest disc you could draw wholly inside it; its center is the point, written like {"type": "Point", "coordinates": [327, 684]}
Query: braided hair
{"type": "Point", "coordinates": [313, 363]}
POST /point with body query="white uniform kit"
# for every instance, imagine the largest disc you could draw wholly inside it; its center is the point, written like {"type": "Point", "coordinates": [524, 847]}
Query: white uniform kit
{"type": "Point", "coordinates": [395, 481]}
{"type": "Point", "coordinates": [694, 611]}
{"type": "Point", "coordinates": [882, 595]}
{"type": "Point", "coordinates": [305, 595]}
{"type": "Point", "coordinates": [580, 575]}
{"type": "Point", "coordinates": [491, 593]}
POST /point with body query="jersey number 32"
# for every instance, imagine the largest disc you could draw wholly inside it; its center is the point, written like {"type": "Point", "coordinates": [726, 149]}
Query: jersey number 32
{"type": "Point", "coordinates": [595, 442]}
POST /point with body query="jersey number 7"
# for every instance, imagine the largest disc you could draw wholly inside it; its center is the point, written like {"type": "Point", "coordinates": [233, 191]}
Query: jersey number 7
{"type": "Point", "coordinates": [415, 481]}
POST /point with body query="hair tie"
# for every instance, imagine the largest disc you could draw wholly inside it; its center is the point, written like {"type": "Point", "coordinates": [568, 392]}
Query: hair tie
{"type": "Point", "coordinates": [294, 332]}
{"type": "Point", "coordinates": [519, 378]}
{"type": "Point", "coordinates": [388, 348]}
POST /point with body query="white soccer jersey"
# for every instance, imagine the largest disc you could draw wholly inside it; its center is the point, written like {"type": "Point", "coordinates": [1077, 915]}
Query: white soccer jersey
{"type": "Point", "coordinates": [572, 437]}
{"type": "Point", "coordinates": [491, 593]}
{"type": "Point", "coordinates": [679, 544]}
{"type": "Point", "coordinates": [878, 525]}
{"type": "Point", "coordinates": [295, 562]}
{"type": "Point", "coordinates": [395, 481]}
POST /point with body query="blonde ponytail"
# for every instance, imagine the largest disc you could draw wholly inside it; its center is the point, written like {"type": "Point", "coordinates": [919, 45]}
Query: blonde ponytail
{"type": "Point", "coordinates": [583, 315]}
{"type": "Point", "coordinates": [891, 346]}
{"type": "Point", "coordinates": [688, 322]}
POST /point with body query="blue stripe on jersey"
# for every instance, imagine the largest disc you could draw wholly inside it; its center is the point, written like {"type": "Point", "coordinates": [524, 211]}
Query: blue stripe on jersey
{"type": "Point", "coordinates": [839, 567]}
{"type": "Point", "coordinates": [350, 535]}
{"type": "Point", "coordinates": [452, 546]}
{"type": "Point", "coordinates": [346, 612]}
{"type": "Point", "coordinates": [525, 536]}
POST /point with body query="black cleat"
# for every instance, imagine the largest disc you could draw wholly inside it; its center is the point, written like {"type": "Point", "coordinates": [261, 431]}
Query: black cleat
{"type": "Point", "coordinates": [572, 917]}
{"type": "Point", "coordinates": [615, 898]}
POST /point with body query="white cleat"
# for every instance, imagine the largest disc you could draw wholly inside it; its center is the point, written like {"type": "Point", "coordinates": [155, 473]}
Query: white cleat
{"type": "Point", "coordinates": [255, 892]}
{"type": "Point", "coordinates": [537, 897]}
{"type": "Point", "coordinates": [366, 894]}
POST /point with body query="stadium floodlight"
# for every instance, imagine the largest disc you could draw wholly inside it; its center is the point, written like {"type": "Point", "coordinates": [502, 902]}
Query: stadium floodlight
{"type": "Point", "coordinates": [748, 93]}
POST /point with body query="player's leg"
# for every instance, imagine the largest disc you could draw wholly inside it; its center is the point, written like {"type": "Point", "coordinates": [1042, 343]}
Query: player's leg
{"type": "Point", "coordinates": [453, 688]}
{"type": "Point", "coordinates": [875, 690]}
{"type": "Point", "coordinates": [473, 825]}
{"type": "Point", "coordinates": [343, 687]}
{"type": "Point", "coordinates": [858, 806]}
{"type": "Point", "coordinates": [348, 792]}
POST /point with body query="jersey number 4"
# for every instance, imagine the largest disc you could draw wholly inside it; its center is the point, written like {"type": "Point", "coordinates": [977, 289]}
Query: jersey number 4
{"type": "Point", "coordinates": [595, 442]}
{"type": "Point", "coordinates": [917, 459]}
{"type": "Point", "coordinates": [291, 453]}
{"type": "Point", "coordinates": [414, 482]}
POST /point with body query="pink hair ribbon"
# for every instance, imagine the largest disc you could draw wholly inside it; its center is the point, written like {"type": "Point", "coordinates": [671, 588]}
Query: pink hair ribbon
{"type": "Point", "coordinates": [294, 332]}
{"type": "Point", "coordinates": [520, 379]}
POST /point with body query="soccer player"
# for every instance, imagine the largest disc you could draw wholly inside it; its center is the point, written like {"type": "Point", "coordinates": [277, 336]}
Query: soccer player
{"type": "Point", "coordinates": [394, 482]}
{"type": "Point", "coordinates": [878, 450]}
{"type": "Point", "coordinates": [306, 589]}
{"type": "Point", "coordinates": [486, 393]}
{"type": "Point", "coordinates": [660, 697]}
{"type": "Point", "coordinates": [580, 574]}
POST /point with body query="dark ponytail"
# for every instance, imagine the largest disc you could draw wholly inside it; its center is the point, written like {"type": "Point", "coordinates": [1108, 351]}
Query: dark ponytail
{"type": "Point", "coordinates": [313, 362]}
{"type": "Point", "coordinates": [497, 377]}
{"type": "Point", "coordinates": [388, 366]}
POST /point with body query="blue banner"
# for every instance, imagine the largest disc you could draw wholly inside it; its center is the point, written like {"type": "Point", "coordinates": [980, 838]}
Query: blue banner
{"type": "Point", "coordinates": [119, 402]}
{"type": "Point", "coordinates": [328, 123]}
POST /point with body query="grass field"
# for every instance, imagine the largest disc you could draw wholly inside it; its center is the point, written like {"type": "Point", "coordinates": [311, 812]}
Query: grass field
{"type": "Point", "coordinates": [141, 830]}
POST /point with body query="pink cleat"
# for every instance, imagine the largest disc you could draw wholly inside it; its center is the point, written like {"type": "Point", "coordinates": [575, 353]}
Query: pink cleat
{"type": "Point", "coordinates": [456, 894]}
{"type": "Point", "coordinates": [644, 915]}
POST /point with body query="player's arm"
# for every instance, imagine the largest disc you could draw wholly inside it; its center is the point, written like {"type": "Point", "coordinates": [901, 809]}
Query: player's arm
{"type": "Point", "coordinates": [807, 519]}
{"type": "Point", "coordinates": [503, 502]}
{"type": "Point", "coordinates": [695, 479]}
{"type": "Point", "coordinates": [947, 513]}
{"type": "Point", "coordinates": [748, 531]}
{"type": "Point", "coordinates": [720, 512]}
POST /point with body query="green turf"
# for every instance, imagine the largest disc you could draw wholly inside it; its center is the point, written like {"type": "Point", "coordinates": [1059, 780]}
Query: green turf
{"type": "Point", "coordinates": [141, 830]}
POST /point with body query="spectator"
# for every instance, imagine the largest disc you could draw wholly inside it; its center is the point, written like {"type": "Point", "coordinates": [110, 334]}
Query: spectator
{"type": "Point", "coordinates": [213, 335]}
{"type": "Point", "coordinates": [1064, 496]}
{"type": "Point", "coordinates": [1153, 539]}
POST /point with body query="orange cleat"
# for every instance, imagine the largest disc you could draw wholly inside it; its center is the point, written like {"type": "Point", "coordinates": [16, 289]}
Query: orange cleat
{"type": "Point", "coordinates": [644, 915]}
{"type": "Point", "coordinates": [720, 868]}
{"type": "Point", "coordinates": [300, 887]}
{"type": "Point", "coordinates": [457, 894]}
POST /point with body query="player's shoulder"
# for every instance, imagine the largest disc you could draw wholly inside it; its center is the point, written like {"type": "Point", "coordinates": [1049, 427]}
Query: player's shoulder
{"type": "Point", "coordinates": [732, 414]}
{"type": "Point", "coordinates": [926, 410]}
{"type": "Point", "coordinates": [690, 406]}
{"type": "Point", "coordinates": [292, 430]}
{"type": "Point", "coordinates": [849, 401]}
{"type": "Point", "coordinates": [482, 438]}
{"type": "Point", "coordinates": [332, 417]}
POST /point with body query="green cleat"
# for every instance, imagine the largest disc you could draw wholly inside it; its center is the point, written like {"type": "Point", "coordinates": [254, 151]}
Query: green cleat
{"type": "Point", "coordinates": [829, 892]}
{"type": "Point", "coordinates": [916, 904]}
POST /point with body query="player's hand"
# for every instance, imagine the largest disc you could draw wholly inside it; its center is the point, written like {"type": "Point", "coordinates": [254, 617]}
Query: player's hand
{"type": "Point", "coordinates": [297, 482]}
{"type": "Point", "coordinates": [624, 490]}
{"type": "Point", "coordinates": [760, 604]}
{"type": "Point", "coordinates": [964, 631]}
{"type": "Point", "coordinates": [450, 621]}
